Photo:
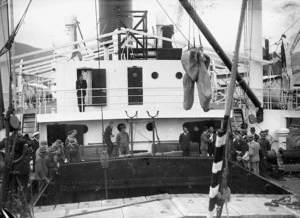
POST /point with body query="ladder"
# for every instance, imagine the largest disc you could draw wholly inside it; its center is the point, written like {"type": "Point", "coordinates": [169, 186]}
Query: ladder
{"type": "Point", "coordinates": [238, 119]}
{"type": "Point", "coordinates": [29, 123]}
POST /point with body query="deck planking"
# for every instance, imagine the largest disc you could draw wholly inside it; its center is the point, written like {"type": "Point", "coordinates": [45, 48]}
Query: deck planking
{"type": "Point", "coordinates": [166, 205]}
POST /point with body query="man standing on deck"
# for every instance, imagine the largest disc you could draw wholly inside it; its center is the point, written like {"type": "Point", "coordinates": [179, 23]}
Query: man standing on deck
{"type": "Point", "coordinates": [107, 137]}
{"type": "Point", "coordinates": [81, 92]}
{"type": "Point", "coordinates": [265, 147]}
{"type": "Point", "coordinates": [211, 142]}
{"type": "Point", "coordinates": [254, 150]}
{"type": "Point", "coordinates": [185, 142]}
{"type": "Point", "coordinates": [35, 146]}
{"type": "Point", "coordinates": [204, 142]}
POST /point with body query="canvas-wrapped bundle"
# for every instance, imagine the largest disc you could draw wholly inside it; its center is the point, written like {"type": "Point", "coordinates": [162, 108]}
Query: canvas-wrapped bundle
{"type": "Point", "coordinates": [195, 63]}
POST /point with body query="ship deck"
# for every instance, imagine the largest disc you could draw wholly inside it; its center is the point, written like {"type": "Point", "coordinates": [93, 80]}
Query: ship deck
{"type": "Point", "coordinates": [168, 205]}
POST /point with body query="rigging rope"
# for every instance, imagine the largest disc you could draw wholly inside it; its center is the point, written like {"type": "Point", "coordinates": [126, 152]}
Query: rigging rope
{"type": "Point", "coordinates": [11, 38]}
{"type": "Point", "coordinates": [220, 193]}
{"type": "Point", "coordinates": [188, 40]}
{"type": "Point", "coordinates": [98, 47]}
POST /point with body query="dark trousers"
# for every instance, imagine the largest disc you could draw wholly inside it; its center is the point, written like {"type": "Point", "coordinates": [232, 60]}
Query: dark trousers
{"type": "Point", "coordinates": [186, 150]}
{"type": "Point", "coordinates": [110, 147]}
{"type": "Point", "coordinates": [211, 149]}
{"type": "Point", "coordinates": [263, 167]}
{"type": "Point", "coordinates": [81, 102]}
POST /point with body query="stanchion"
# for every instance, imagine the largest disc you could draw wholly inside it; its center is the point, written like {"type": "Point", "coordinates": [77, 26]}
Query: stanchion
{"type": "Point", "coordinates": [131, 130]}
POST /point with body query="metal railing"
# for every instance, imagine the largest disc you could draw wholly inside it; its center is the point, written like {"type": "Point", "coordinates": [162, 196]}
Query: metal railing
{"type": "Point", "coordinates": [64, 101]}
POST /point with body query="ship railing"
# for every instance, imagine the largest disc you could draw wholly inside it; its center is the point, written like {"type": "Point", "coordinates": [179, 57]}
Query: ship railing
{"type": "Point", "coordinates": [65, 101]}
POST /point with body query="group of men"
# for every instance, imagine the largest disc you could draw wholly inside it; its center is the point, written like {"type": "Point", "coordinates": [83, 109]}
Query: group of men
{"type": "Point", "coordinates": [205, 141]}
{"type": "Point", "coordinates": [250, 151]}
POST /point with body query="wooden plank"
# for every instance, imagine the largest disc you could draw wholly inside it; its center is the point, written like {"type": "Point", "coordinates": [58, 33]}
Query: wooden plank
{"type": "Point", "coordinates": [160, 197]}
{"type": "Point", "coordinates": [134, 200]}
{"type": "Point", "coordinates": [95, 213]}
{"type": "Point", "coordinates": [185, 195]}
{"type": "Point", "coordinates": [55, 213]}
{"type": "Point", "coordinates": [44, 208]}
{"type": "Point", "coordinates": [112, 202]}
{"type": "Point", "coordinates": [89, 204]}
{"type": "Point", "coordinates": [66, 206]}
{"type": "Point", "coordinates": [154, 209]}
{"type": "Point", "coordinates": [255, 207]}
{"type": "Point", "coordinates": [197, 207]}
{"type": "Point", "coordinates": [197, 195]}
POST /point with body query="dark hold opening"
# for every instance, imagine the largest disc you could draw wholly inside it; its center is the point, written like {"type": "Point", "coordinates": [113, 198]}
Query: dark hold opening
{"type": "Point", "coordinates": [178, 75]}
{"type": "Point", "coordinates": [149, 126]}
{"type": "Point", "coordinates": [154, 75]}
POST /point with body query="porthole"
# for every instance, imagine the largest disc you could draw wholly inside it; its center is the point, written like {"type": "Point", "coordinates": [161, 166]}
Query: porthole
{"type": "Point", "coordinates": [178, 75]}
{"type": "Point", "coordinates": [154, 75]}
{"type": "Point", "coordinates": [149, 126]}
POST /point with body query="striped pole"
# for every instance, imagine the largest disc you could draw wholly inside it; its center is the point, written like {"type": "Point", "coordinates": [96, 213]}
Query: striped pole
{"type": "Point", "coordinates": [218, 191]}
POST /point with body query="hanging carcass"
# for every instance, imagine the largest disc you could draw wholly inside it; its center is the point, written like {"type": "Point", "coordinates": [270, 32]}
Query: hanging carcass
{"type": "Point", "coordinates": [195, 64]}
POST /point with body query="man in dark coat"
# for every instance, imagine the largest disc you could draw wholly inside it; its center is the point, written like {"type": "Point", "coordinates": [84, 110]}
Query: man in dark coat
{"type": "Point", "coordinates": [107, 137]}
{"type": "Point", "coordinates": [81, 93]}
{"type": "Point", "coordinates": [265, 147]}
{"type": "Point", "coordinates": [35, 146]}
{"type": "Point", "coordinates": [185, 142]}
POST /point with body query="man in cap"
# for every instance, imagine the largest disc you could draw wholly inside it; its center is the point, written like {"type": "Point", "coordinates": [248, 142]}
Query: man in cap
{"type": "Point", "coordinates": [107, 137]}
{"type": "Point", "coordinates": [35, 146]}
{"type": "Point", "coordinates": [252, 130]}
{"type": "Point", "coordinates": [254, 149]}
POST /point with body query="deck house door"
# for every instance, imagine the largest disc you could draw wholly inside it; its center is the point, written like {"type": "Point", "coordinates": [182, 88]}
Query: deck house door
{"type": "Point", "coordinates": [135, 85]}
{"type": "Point", "coordinates": [99, 87]}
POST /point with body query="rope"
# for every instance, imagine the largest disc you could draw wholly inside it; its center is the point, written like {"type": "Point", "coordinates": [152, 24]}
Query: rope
{"type": "Point", "coordinates": [174, 23]}
{"type": "Point", "coordinates": [235, 61]}
{"type": "Point", "coordinates": [98, 47]}
{"type": "Point", "coordinates": [221, 191]}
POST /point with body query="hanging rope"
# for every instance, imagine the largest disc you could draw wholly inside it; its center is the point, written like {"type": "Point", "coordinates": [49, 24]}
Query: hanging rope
{"type": "Point", "coordinates": [98, 47]}
{"type": "Point", "coordinates": [220, 193]}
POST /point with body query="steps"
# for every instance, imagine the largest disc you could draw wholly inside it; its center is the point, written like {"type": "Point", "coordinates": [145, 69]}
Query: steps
{"type": "Point", "coordinates": [238, 119]}
{"type": "Point", "coordinates": [28, 123]}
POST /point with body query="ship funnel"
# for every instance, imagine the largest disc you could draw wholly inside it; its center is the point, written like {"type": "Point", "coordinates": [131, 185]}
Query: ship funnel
{"type": "Point", "coordinates": [113, 15]}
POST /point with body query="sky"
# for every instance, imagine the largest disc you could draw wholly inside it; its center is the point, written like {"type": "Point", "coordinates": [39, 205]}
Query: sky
{"type": "Point", "coordinates": [44, 25]}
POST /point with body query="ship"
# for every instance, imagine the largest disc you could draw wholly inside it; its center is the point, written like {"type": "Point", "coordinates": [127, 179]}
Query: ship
{"type": "Point", "coordinates": [135, 78]}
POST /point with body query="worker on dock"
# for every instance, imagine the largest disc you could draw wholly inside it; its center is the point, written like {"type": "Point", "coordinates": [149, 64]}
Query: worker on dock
{"type": "Point", "coordinates": [185, 141]}
{"type": "Point", "coordinates": [107, 137]}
